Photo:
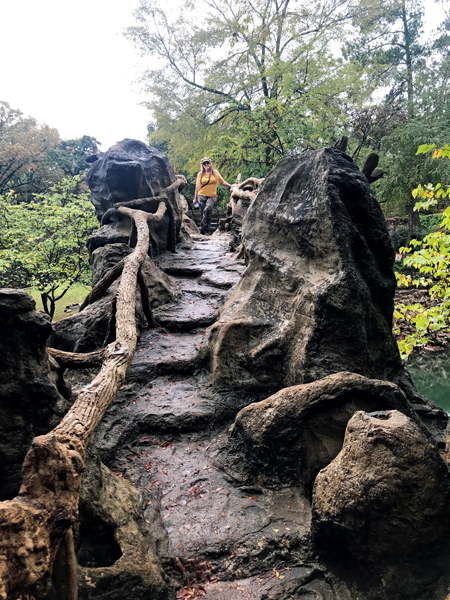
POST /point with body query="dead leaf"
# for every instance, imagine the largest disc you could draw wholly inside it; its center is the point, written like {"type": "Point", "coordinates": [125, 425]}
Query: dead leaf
{"type": "Point", "coordinates": [276, 530]}
{"type": "Point", "coordinates": [195, 491]}
{"type": "Point", "coordinates": [252, 498]}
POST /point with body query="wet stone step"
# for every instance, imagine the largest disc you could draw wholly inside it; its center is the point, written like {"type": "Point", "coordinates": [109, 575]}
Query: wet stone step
{"type": "Point", "coordinates": [307, 582]}
{"type": "Point", "coordinates": [220, 279]}
{"type": "Point", "coordinates": [159, 352]}
{"type": "Point", "coordinates": [182, 270]}
{"type": "Point", "coordinates": [170, 404]}
{"type": "Point", "coordinates": [194, 287]}
{"type": "Point", "coordinates": [191, 312]}
{"type": "Point", "coordinates": [203, 516]}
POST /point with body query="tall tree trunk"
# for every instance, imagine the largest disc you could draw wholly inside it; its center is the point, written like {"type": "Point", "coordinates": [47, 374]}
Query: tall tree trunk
{"type": "Point", "coordinates": [408, 57]}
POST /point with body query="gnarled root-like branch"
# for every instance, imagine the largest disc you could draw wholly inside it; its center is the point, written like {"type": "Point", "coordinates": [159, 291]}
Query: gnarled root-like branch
{"type": "Point", "coordinates": [75, 360]}
{"type": "Point", "coordinates": [33, 524]}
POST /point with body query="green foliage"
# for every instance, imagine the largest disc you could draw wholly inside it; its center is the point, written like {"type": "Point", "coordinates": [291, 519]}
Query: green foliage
{"type": "Point", "coordinates": [431, 257]}
{"type": "Point", "coordinates": [24, 161]}
{"type": "Point", "coordinates": [399, 237]}
{"type": "Point", "coordinates": [403, 168]}
{"type": "Point", "coordinates": [429, 223]}
{"type": "Point", "coordinates": [390, 43]}
{"type": "Point", "coordinates": [43, 242]}
{"type": "Point", "coordinates": [245, 82]}
{"type": "Point", "coordinates": [70, 155]}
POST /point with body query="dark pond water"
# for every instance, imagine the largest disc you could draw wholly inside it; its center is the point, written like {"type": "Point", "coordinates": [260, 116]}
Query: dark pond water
{"type": "Point", "coordinates": [431, 375]}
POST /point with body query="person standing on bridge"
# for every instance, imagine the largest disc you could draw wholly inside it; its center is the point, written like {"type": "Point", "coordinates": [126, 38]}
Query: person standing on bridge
{"type": "Point", "coordinates": [206, 192]}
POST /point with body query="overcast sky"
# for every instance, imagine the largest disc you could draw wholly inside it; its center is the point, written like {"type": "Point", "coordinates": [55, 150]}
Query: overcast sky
{"type": "Point", "coordinates": [68, 65]}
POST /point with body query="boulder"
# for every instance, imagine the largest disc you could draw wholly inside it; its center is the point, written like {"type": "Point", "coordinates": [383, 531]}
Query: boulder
{"type": "Point", "coordinates": [382, 508]}
{"type": "Point", "coordinates": [115, 546]}
{"type": "Point", "coordinates": [158, 283]}
{"type": "Point", "coordinates": [127, 171]}
{"type": "Point", "coordinates": [94, 327]}
{"type": "Point", "coordinates": [30, 403]}
{"type": "Point", "coordinates": [289, 437]}
{"type": "Point", "coordinates": [317, 296]}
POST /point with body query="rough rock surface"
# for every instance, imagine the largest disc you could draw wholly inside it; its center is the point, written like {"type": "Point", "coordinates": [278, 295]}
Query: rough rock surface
{"type": "Point", "coordinates": [129, 170]}
{"type": "Point", "coordinates": [317, 295]}
{"type": "Point", "coordinates": [30, 403]}
{"type": "Point", "coordinates": [94, 327]}
{"type": "Point", "coordinates": [289, 437]}
{"type": "Point", "coordinates": [216, 537]}
{"type": "Point", "coordinates": [115, 546]}
{"type": "Point", "coordinates": [383, 505]}
{"type": "Point", "coordinates": [240, 199]}
{"type": "Point", "coordinates": [188, 226]}
{"type": "Point", "coordinates": [160, 433]}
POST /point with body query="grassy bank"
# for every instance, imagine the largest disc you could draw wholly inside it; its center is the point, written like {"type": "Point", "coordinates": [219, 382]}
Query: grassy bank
{"type": "Point", "coordinates": [75, 295]}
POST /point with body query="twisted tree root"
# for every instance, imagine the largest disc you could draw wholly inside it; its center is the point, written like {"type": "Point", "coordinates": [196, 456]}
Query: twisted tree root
{"type": "Point", "coordinates": [33, 524]}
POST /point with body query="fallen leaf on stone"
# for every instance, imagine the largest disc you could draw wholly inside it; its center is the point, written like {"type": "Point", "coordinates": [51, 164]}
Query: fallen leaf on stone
{"type": "Point", "coordinates": [276, 530]}
{"type": "Point", "coordinates": [288, 528]}
{"type": "Point", "coordinates": [195, 491]}
{"type": "Point", "coordinates": [277, 574]}
{"type": "Point", "coordinates": [165, 472]}
{"type": "Point", "coordinates": [166, 515]}
{"type": "Point", "coordinates": [252, 498]}
{"type": "Point", "coordinates": [280, 576]}
{"type": "Point", "coordinates": [149, 502]}
{"type": "Point", "coordinates": [218, 490]}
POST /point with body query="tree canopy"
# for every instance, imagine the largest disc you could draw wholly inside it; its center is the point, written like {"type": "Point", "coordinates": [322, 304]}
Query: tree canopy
{"type": "Point", "coordinates": [43, 242]}
{"type": "Point", "coordinates": [251, 81]}
{"type": "Point", "coordinates": [260, 76]}
{"type": "Point", "coordinates": [33, 158]}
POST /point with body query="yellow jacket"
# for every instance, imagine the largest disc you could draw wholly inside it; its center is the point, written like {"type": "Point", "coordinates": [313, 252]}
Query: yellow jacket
{"type": "Point", "coordinates": [208, 189]}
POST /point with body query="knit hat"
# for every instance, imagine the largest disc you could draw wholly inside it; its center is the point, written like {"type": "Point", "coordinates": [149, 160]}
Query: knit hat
{"type": "Point", "coordinates": [205, 159]}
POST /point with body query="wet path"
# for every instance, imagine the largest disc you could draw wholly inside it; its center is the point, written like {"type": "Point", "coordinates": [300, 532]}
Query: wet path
{"type": "Point", "coordinates": [215, 539]}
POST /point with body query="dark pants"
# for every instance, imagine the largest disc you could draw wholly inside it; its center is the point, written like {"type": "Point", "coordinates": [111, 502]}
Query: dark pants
{"type": "Point", "coordinates": [207, 203]}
